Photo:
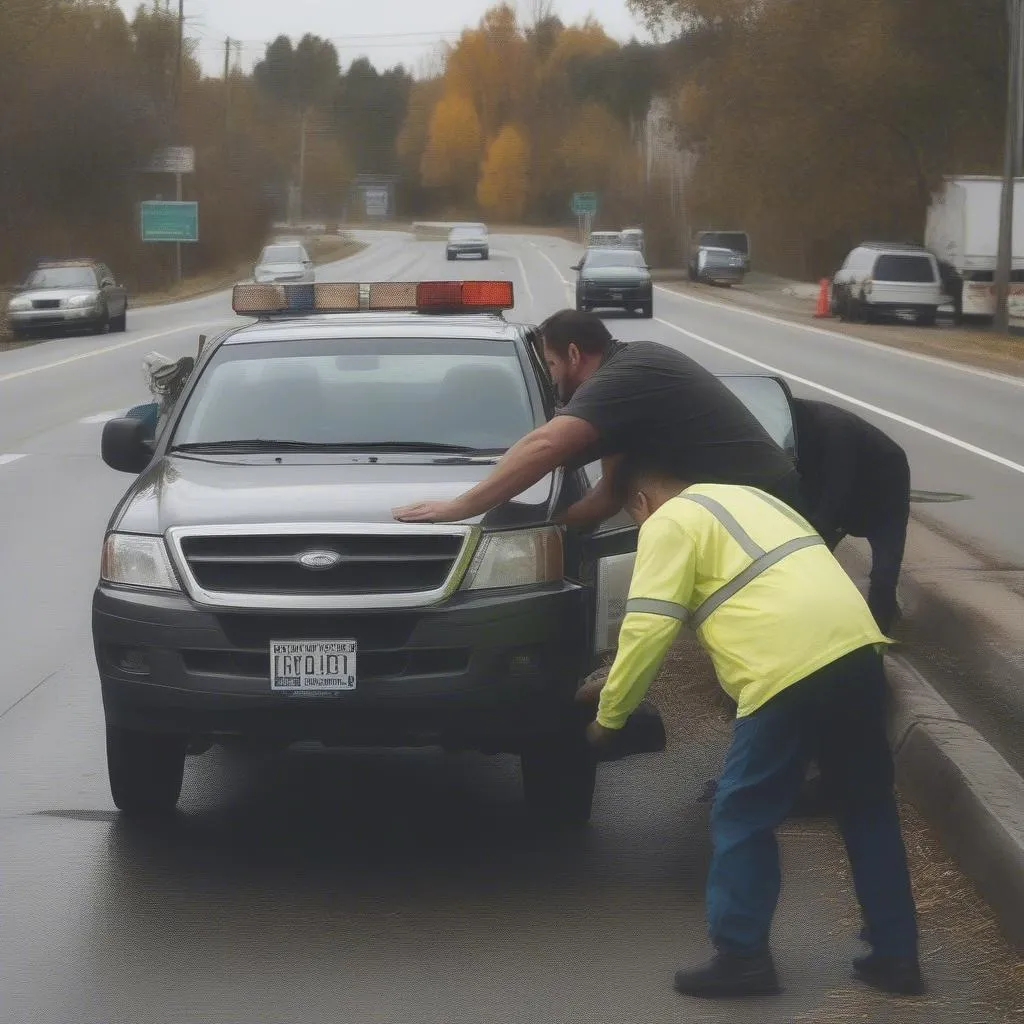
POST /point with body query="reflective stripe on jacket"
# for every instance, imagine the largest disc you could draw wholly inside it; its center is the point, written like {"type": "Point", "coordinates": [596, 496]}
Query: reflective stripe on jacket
{"type": "Point", "coordinates": [759, 587]}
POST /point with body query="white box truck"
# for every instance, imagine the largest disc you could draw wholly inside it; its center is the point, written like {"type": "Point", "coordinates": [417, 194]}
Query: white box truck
{"type": "Point", "coordinates": [962, 230]}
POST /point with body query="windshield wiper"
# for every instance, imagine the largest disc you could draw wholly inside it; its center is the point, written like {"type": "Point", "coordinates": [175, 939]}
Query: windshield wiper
{"type": "Point", "coordinates": [268, 445]}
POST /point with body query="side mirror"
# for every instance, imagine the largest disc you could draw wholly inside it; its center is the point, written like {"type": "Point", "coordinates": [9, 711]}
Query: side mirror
{"type": "Point", "coordinates": [125, 446]}
{"type": "Point", "coordinates": [577, 267]}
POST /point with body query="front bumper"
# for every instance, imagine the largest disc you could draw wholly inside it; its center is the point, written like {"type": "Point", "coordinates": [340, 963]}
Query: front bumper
{"type": "Point", "coordinates": [481, 671]}
{"type": "Point", "coordinates": [27, 320]}
{"type": "Point", "coordinates": [616, 296]}
{"type": "Point", "coordinates": [468, 250]}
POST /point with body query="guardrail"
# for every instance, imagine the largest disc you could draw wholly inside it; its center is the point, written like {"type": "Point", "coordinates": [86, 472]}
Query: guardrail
{"type": "Point", "coordinates": [432, 230]}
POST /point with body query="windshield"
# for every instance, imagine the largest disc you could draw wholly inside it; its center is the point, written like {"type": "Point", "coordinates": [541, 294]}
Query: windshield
{"type": "Point", "coordinates": [62, 277]}
{"type": "Point", "coordinates": [615, 258]}
{"type": "Point", "coordinates": [735, 240]}
{"type": "Point", "coordinates": [283, 254]}
{"type": "Point", "coordinates": [469, 232]}
{"type": "Point", "coordinates": [466, 394]}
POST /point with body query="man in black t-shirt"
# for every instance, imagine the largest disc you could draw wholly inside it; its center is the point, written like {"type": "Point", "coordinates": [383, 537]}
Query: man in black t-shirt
{"type": "Point", "coordinates": [856, 482]}
{"type": "Point", "coordinates": [624, 400]}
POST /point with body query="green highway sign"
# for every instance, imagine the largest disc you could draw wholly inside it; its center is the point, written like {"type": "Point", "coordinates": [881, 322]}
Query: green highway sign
{"type": "Point", "coordinates": [584, 202]}
{"type": "Point", "coordinates": [169, 222]}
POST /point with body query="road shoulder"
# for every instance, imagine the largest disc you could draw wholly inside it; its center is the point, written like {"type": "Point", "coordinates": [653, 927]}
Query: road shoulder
{"type": "Point", "coordinates": [790, 303]}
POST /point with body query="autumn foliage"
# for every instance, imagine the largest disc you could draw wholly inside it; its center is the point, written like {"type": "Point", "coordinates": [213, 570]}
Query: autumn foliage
{"type": "Point", "coordinates": [523, 116]}
{"type": "Point", "coordinates": [820, 124]}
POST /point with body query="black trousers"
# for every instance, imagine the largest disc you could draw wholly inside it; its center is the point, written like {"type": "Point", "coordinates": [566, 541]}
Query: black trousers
{"type": "Point", "coordinates": [887, 536]}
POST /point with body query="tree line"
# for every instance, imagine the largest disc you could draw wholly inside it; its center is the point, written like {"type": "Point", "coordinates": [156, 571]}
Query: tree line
{"type": "Point", "coordinates": [812, 125]}
{"type": "Point", "coordinates": [818, 125]}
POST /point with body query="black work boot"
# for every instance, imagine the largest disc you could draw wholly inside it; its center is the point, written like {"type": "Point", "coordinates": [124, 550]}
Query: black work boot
{"type": "Point", "coordinates": [898, 975]}
{"type": "Point", "coordinates": [730, 976]}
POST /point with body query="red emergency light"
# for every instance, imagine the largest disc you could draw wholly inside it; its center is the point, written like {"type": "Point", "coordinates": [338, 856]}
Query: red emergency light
{"type": "Point", "coordinates": [464, 295]}
{"type": "Point", "coordinates": [349, 297]}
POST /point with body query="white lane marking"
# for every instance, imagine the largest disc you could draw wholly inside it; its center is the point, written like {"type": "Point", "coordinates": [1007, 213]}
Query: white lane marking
{"type": "Point", "coordinates": [554, 267]}
{"type": "Point", "coordinates": [6, 460]}
{"type": "Point", "coordinates": [101, 417]}
{"type": "Point", "coordinates": [113, 348]}
{"type": "Point", "coordinates": [878, 410]}
{"type": "Point", "coordinates": [526, 281]}
{"type": "Point", "coordinates": [1002, 378]}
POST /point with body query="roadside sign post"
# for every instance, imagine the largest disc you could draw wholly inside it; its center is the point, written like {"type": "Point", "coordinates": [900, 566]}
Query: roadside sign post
{"type": "Point", "coordinates": [584, 205]}
{"type": "Point", "coordinates": [163, 225]}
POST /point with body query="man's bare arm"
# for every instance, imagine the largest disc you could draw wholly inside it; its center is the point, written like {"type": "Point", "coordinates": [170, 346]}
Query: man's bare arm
{"type": "Point", "coordinates": [555, 443]}
{"type": "Point", "coordinates": [601, 502]}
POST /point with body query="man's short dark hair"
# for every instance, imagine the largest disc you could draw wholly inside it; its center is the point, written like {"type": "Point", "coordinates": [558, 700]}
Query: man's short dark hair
{"type": "Point", "coordinates": [572, 326]}
{"type": "Point", "coordinates": [632, 473]}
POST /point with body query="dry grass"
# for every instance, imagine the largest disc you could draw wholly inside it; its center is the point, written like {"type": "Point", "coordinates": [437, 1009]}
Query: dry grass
{"type": "Point", "coordinates": [321, 248]}
{"type": "Point", "coordinates": [973, 345]}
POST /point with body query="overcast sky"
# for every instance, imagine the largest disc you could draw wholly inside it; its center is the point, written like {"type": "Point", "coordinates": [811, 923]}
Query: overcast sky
{"type": "Point", "coordinates": [387, 31]}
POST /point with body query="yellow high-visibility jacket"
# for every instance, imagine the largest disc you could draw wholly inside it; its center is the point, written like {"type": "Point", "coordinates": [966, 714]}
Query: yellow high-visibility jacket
{"type": "Point", "coordinates": [763, 593]}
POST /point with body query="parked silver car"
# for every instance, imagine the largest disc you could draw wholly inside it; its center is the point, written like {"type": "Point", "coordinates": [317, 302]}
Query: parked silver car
{"type": "Point", "coordinates": [68, 295]}
{"type": "Point", "coordinates": [284, 263]}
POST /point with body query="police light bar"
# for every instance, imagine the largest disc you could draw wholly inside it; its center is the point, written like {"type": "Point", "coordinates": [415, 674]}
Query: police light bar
{"type": "Point", "coordinates": [348, 297]}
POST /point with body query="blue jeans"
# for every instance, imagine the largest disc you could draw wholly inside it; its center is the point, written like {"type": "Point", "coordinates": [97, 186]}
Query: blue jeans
{"type": "Point", "coordinates": [836, 715]}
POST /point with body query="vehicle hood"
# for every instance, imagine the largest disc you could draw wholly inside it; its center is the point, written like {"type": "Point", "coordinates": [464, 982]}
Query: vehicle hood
{"type": "Point", "coordinates": [280, 269]}
{"type": "Point", "coordinates": [609, 274]}
{"type": "Point", "coordinates": [53, 293]}
{"type": "Point", "coordinates": [467, 240]}
{"type": "Point", "coordinates": [192, 491]}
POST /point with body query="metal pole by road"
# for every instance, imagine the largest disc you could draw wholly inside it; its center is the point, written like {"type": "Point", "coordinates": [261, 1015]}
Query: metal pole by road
{"type": "Point", "coordinates": [1004, 257]}
{"type": "Point", "coordinates": [302, 166]}
{"type": "Point", "coordinates": [177, 245]}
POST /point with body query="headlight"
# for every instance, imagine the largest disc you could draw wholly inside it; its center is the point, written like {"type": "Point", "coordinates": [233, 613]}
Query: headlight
{"type": "Point", "coordinates": [19, 305]}
{"type": "Point", "coordinates": [132, 560]}
{"type": "Point", "coordinates": [80, 301]}
{"type": "Point", "coordinates": [519, 558]}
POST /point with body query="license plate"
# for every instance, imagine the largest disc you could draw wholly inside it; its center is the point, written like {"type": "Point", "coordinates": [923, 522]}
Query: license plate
{"type": "Point", "coordinates": [308, 666]}
{"type": "Point", "coordinates": [616, 295]}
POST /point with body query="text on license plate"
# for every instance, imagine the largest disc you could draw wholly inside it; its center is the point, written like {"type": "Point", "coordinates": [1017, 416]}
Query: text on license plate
{"type": "Point", "coordinates": [304, 665]}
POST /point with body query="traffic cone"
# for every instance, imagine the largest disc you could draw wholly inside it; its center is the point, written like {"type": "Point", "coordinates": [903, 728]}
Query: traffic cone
{"type": "Point", "coordinates": [823, 311]}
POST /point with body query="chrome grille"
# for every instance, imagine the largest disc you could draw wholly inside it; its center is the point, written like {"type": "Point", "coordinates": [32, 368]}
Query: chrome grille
{"type": "Point", "coordinates": [364, 566]}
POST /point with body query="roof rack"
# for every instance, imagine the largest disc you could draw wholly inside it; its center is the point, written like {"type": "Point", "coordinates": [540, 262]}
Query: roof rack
{"type": "Point", "coordinates": [263, 300]}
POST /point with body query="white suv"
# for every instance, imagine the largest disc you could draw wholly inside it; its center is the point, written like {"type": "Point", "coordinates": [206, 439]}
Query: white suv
{"type": "Point", "coordinates": [887, 278]}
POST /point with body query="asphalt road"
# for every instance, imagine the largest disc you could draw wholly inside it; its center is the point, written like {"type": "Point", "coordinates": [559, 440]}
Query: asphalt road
{"type": "Point", "coordinates": [368, 887]}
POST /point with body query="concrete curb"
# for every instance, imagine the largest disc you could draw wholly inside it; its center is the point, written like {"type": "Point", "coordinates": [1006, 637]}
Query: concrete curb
{"type": "Point", "coordinates": [964, 788]}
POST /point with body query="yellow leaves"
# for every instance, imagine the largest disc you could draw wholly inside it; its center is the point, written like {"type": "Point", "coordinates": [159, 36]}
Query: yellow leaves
{"type": "Point", "coordinates": [490, 66]}
{"type": "Point", "coordinates": [453, 144]}
{"type": "Point", "coordinates": [504, 181]}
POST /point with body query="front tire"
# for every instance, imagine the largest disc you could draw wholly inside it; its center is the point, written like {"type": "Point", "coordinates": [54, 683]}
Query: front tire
{"type": "Point", "coordinates": [559, 775]}
{"type": "Point", "coordinates": [647, 310]}
{"type": "Point", "coordinates": [145, 770]}
{"type": "Point", "coordinates": [120, 322]}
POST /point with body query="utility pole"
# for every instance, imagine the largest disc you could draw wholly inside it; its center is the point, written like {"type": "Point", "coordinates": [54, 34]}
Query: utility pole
{"type": "Point", "coordinates": [179, 75]}
{"type": "Point", "coordinates": [227, 85]}
{"type": "Point", "coordinates": [1014, 110]}
{"type": "Point", "coordinates": [1018, 169]}
{"type": "Point", "coordinates": [302, 164]}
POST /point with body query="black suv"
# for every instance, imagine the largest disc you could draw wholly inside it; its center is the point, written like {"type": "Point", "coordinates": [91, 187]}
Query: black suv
{"type": "Point", "coordinates": [255, 586]}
